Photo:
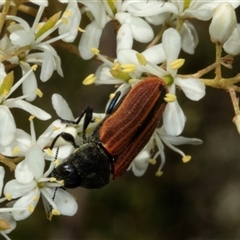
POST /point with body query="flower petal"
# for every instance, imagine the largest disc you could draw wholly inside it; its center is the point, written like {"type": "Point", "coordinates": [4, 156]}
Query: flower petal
{"type": "Point", "coordinates": [28, 201]}
{"type": "Point", "coordinates": [35, 161]}
{"type": "Point", "coordinates": [28, 107]}
{"type": "Point", "coordinates": [61, 107]}
{"type": "Point", "coordinates": [65, 202]}
{"type": "Point", "coordinates": [193, 88]}
{"type": "Point", "coordinates": [7, 126]}
{"type": "Point", "coordinates": [173, 119]}
{"type": "Point", "coordinates": [23, 174]}
{"type": "Point", "coordinates": [16, 189]}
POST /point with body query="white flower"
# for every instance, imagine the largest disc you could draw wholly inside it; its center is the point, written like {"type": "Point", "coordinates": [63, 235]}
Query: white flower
{"type": "Point", "coordinates": [173, 117]}
{"type": "Point", "coordinates": [232, 45]}
{"type": "Point", "coordinates": [71, 19]}
{"type": "Point", "coordinates": [160, 138]}
{"type": "Point", "coordinates": [132, 27]}
{"type": "Point", "coordinates": [7, 123]}
{"type": "Point", "coordinates": [21, 35]}
{"type": "Point", "coordinates": [31, 181]}
{"type": "Point", "coordinates": [223, 23]}
{"type": "Point", "coordinates": [7, 224]}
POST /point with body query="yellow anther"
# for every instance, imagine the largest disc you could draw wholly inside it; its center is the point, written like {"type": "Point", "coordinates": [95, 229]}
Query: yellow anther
{"type": "Point", "coordinates": [68, 13]}
{"type": "Point", "coordinates": [186, 158]}
{"type": "Point", "coordinates": [64, 20]}
{"type": "Point", "coordinates": [127, 68]}
{"type": "Point", "coordinates": [80, 29]}
{"type": "Point", "coordinates": [4, 225]}
{"type": "Point", "coordinates": [158, 173]}
{"type": "Point", "coordinates": [31, 208]}
{"type": "Point", "coordinates": [39, 92]}
{"type": "Point", "coordinates": [89, 80]}
{"type": "Point", "coordinates": [52, 179]}
{"type": "Point", "coordinates": [61, 182]}
{"type": "Point", "coordinates": [34, 67]}
{"type": "Point", "coordinates": [95, 51]}
{"type": "Point", "coordinates": [56, 162]}
{"type": "Point", "coordinates": [116, 66]}
{"type": "Point", "coordinates": [152, 161]}
{"type": "Point", "coordinates": [35, 198]}
{"type": "Point", "coordinates": [141, 59]}
{"type": "Point", "coordinates": [8, 196]}
{"type": "Point", "coordinates": [177, 63]}
{"type": "Point", "coordinates": [55, 212]}
{"type": "Point", "coordinates": [31, 117]}
{"type": "Point", "coordinates": [170, 97]}
{"type": "Point", "coordinates": [16, 150]}
{"type": "Point", "coordinates": [48, 151]}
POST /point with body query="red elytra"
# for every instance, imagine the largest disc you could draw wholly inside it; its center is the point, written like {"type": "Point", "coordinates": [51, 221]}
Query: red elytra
{"type": "Point", "coordinates": [128, 129]}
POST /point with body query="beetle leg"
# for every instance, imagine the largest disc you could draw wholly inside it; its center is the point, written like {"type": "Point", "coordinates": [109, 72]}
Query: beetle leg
{"type": "Point", "coordinates": [113, 102]}
{"type": "Point", "coordinates": [67, 137]}
{"type": "Point", "coordinates": [88, 112]}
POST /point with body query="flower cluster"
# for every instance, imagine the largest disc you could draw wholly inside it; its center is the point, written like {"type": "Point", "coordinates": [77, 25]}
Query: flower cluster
{"type": "Point", "coordinates": [32, 45]}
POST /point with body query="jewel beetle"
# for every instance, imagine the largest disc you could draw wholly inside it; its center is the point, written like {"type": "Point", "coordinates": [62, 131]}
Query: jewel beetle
{"type": "Point", "coordinates": [111, 147]}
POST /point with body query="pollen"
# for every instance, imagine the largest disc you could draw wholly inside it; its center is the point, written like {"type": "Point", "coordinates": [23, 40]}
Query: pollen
{"type": "Point", "coordinates": [39, 92]}
{"type": "Point", "coordinates": [95, 51]}
{"type": "Point", "coordinates": [61, 182]}
{"type": "Point", "coordinates": [89, 79]}
{"type": "Point", "coordinates": [170, 97]}
{"type": "Point", "coordinates": [8, 196]}
{"type": "Point", "coordinates": [55, 212]}
{"type": "Point", "coordinates": [158, 173]}
{"type": "Point", "coordinates": [31, 208]}
{"type": "Point", "coordinates": [186, 158]}
{"type": "Point", "coordinates": [141, 59]}
{"type": "Point", "coordinates": [177, 63]}
{"type": "Point", "coordinates": [16, 150]}
{"type": "Point", "coordinates": [152, 161]}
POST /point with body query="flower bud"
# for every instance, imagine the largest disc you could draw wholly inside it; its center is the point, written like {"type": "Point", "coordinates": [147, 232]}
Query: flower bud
{"type": "Point", "coordinates": [223, 23]}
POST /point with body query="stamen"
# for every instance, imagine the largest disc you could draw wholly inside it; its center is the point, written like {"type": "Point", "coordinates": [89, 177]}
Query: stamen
{"type": "Point", "coordinates": [31, 117]}
{"type": "Point", "coordinates": [16, 150]}
{"type": "Point", "coordinates": [177, 63]}
{"type": "Point", "coordinates": [39, 92]}
{"type": "Point", "coordinates": [8, 196]}
{"type": "Point", "coordinates": [48, 151]}
{"type": "Point", "coordinates": [89, 80]}
{"type": "Point", "coordinates": [186, 158]}
{"type": "Point", "coordinates": [55, 212]}
{"type": "Point", "coordinates": [152, 161]}
{"type": "Point", "coordinates": [95, 51]}
{"type": "Point", "coordinates": [64, 20]}
{"type": "Point", "coordinates": [128, 68]}
{"type": "Point", "coordinates": [4, 225]}
{"type": "Point", "coordinates": [141, 59]}
{"type": "Point", "coordinates": [170, 97]}
{"type": "Point", "coordinates": [158, 173]}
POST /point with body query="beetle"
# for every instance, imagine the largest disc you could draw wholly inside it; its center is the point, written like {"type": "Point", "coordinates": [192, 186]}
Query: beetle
{"type": "Point", "coordinates": [117, 139]}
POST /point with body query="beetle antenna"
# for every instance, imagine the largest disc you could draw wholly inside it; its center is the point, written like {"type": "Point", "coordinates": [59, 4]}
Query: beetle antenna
{"type": "Point", "coordinates": [113, 102]}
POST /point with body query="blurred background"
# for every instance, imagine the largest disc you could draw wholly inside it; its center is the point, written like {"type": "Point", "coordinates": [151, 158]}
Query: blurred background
{"type": "Point", "coordinates": [196, 200]}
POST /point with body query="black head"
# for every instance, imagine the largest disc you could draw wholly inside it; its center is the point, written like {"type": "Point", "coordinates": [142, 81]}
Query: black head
{"type": "Point", "coordinates": [89, 167]}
